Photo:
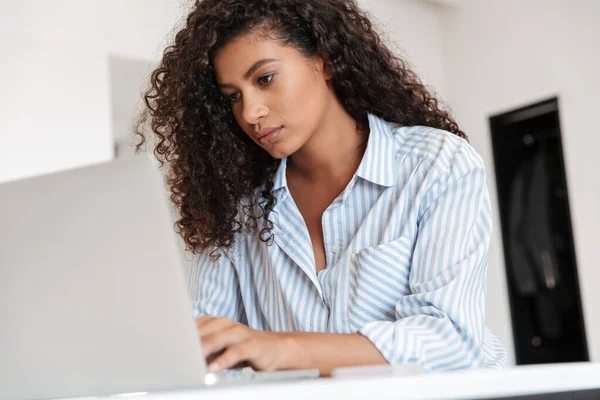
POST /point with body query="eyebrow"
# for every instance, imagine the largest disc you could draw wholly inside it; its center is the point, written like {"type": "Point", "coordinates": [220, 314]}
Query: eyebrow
{"type": "Point", "coordinates": [252, 69]}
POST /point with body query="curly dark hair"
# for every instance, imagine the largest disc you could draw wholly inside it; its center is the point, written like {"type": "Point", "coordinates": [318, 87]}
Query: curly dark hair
{"type": "Point", "coordinates": [212, 164]}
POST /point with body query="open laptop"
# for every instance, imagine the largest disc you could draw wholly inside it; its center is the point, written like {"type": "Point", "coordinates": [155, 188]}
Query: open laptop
{"type": "Point", "coordinates": [93, 299]}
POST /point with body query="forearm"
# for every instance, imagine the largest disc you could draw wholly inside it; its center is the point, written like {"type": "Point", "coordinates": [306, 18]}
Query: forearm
{"type": "Point", "coordinates": [326, 351]}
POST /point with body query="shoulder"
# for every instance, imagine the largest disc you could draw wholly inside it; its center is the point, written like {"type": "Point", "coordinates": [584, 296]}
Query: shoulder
{"type": "Point", "coordinates": [439, 149]}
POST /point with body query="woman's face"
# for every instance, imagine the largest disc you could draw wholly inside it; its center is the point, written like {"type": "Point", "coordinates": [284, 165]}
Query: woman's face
{"type": "Point", "coordinates": [273, 88]}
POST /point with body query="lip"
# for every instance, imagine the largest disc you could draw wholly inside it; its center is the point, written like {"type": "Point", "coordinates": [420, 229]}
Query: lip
{"type": "Point", "coordinates": [270, 135]}
{"type": "Point", "coordinates": [266, 131]}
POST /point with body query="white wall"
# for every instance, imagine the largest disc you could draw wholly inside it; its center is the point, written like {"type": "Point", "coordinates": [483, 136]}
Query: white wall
{"type": "Point", "coordinates": [132, 28]}
{"type": "Point", "coordinates": [55, 109]}
{"type": "Point", "coordinates": [501, 54]}
{"type": "Point", "coordinates": [413, 29]}
{"type": "Point", "coordinates": [128, 80]}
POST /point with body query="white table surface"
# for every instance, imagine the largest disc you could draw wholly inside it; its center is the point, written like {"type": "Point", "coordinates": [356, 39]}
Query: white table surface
{"type": "Point", "coordinates": [456, 385]}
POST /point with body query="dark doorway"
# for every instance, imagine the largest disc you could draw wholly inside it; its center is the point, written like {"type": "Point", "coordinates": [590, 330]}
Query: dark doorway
{"type": "Point", "coordinates": [541, 266]}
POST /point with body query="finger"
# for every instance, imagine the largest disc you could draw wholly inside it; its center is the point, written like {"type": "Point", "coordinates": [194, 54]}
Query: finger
{"type": "Point", "coordinates": [211, 325]}
{"type": "Point", "coordinates": [220, 340]}
{"type": "Point", "coordinates": [216, 355]}
{"type": "Point", "coordinates": [239, 354]}
{"type": "Point", "coordinates": [213, 357]}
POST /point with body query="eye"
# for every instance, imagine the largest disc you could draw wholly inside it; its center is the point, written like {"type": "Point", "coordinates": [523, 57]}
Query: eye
{"type": "Point", "coordinates": [265, 80]}
{"type": "Point", "coordinates": [234, 96]}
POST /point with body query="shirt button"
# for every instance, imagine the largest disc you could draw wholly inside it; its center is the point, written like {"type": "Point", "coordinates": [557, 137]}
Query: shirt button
{"type": "Point", "coordinates": [335, 248]}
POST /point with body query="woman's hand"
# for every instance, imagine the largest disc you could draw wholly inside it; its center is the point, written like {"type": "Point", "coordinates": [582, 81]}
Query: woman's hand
{"type": "Point", "coordinates": [228, 344]}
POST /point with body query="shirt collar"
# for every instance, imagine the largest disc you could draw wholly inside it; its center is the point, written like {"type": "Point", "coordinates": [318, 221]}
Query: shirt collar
{"type": "Point", "coordinates": [378, 163]}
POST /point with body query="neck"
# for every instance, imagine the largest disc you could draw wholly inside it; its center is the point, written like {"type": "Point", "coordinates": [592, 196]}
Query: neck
{"type": "Point", "coordinates": [333, 152]}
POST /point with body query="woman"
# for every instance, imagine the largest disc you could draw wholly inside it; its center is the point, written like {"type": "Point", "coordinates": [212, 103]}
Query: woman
{"type": "Point", "coordinates": [337, 214]}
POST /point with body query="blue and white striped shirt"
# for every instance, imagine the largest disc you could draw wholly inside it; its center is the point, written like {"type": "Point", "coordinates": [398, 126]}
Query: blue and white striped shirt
{"type": "Point", "coordinates": [406, 252]}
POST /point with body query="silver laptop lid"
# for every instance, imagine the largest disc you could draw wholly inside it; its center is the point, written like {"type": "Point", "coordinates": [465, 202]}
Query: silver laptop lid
{"type": "Point", "coordinates": [93, 299]}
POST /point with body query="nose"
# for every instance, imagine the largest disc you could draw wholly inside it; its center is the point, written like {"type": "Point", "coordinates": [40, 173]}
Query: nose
{"type": "Point", "coordinates": [254, 109]}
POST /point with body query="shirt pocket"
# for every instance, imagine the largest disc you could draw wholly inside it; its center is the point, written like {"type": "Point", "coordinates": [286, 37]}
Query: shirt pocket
{"type": "Point", "coordinates": [379, 277]}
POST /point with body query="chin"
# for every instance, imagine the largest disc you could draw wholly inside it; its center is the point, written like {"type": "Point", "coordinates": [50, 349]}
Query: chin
{"type": "Point", "coordinates": [278, 153]}
{"type": "Point", "coordinates": [281, 150]}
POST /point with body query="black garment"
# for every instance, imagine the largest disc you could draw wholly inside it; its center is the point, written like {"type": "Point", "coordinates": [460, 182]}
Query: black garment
{"type": "Point", "coordinates": [533, 264]}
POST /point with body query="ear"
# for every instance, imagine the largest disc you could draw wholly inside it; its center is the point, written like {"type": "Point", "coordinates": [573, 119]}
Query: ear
{"type": "Point", "coordinates": [327, 72]}
{"type": "Point", "coordinates": [323, 68]}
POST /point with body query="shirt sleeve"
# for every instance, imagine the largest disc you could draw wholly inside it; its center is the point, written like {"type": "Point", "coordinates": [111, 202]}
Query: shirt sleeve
{"type": "Point", "coordinates": [214, 288]}
{"type": "Point", "coordinates": [440, 324]}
